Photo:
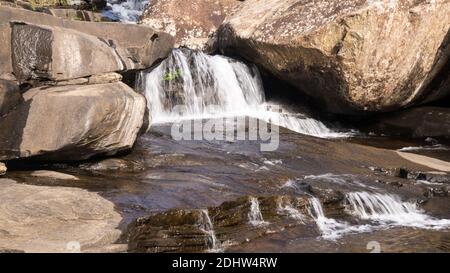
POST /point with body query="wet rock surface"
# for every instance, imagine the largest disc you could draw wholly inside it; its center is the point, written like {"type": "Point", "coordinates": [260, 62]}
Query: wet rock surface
{"type": "Point", "coordinates": [350, 56]}
{"type": "Point", "coordinates": [178, 181]}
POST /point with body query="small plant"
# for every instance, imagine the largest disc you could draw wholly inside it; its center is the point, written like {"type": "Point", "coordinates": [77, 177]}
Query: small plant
{"type": "Point", "coordinates": [172, 75]}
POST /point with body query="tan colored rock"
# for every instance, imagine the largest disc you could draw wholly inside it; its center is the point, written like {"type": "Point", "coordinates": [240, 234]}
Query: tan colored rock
{"type": "Point", "coordinates": [350, 56]}
{"type": "Point", "coordinates": [53, 175]}
{"type": "Point", "coordinates": [3, 168]}
{"type": "Point", "coordinates": [73, 122]}
{"type": "Point", "coordinates": [55, 219]}
{"type": "Point", "coordinates": [59, 54]}
{"type": "Point", "coordinates": [105, 78]}
{"type": "Point", "coordinates": [138, 46]}
{"type": "Point", "coordinates": [191, 22]}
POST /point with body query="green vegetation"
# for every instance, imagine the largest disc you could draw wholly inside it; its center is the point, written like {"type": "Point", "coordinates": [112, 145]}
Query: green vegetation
{"type": "Point", "coordinates": [172, 75]}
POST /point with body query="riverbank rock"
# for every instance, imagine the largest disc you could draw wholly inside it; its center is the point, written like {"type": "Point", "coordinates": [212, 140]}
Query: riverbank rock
{"type": "Point", "coordinates": [40, 4]}
{"type": "Point", "coordinates": [191, 22]}
{"type": "Point", "coordinates": [350, 56]}
{"type": "Point", "coordinates": [419, 122]}
{"type": "Point", "coordinates": [55, 219]}
{"type": "Point", "coordinates": [138, 47]}
{"type": "Point", "coordinates": [10, 96]}
{"type": "Point", "coordinates": [72, 122]}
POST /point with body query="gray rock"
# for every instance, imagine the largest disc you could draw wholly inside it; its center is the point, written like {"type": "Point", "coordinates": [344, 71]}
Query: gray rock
{"type": "Point", "coordinates": [350, 56]}
{"type": "Point", "coordinates": [55, 219]}
{"type": "Point", "coordinates": [73, 122]}
{"type": "Point", "coordinates": [59, 54]}
{"type": "Point", "coordinates": [138, 46]}
{"type": "Point", "coordinates": [10, 96]}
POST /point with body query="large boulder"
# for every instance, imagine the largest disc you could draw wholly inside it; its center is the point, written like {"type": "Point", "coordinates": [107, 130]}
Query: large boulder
{"type": "Point", "coordinates": [138, 46]}
{"type": "Point", "coordinates": [191, 22]}
{"type": "Point", "coordinates": [72, 122]}
{"type": "Point", "coordinates": [55, 219]}
{"type": "Point", "coordinates": [59, 54]}
{"type": "Point", "coordinates": [350, 56]}
{"type": "Point", "coordinates": [10, 96]}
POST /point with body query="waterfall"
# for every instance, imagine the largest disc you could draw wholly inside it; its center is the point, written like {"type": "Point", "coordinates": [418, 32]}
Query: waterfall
{"type": "Point", "coordinates": [389, 209]}
{"type": "Point", "coordinates": [255, 217]}
{"type": "Point", "coordinates": [215, 87]}
{"type": "Point", "coordinates": [208, 228]}
{"type": "Point", "coordinates": [127, 11]}
{"type": "Point", "coordinates": [332, 229]}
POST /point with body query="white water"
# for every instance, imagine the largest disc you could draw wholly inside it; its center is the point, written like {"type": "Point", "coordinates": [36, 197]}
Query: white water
{"type": "Point", "coordinates": [208, 228]}
{"type": "Point", "coordinates": [198, 81]}
{"type": "Point", "coordinates": [255, 217]}
{"type": "Point", "coordinates": [127, 11]}
{"type": "Point", "coordinates": [332, 229]}
{"type": "Point", "coordinates": [390, 210]}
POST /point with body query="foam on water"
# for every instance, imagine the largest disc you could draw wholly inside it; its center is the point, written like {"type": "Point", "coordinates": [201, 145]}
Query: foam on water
{"type": "Point", "coordinates": [388, 209]}
{"type": "Point", "coordinates": [197, 81]}
{"type": "Point", "coordinates": [127, 11]}
{"type": "Point", "coordinates": [255, 217]}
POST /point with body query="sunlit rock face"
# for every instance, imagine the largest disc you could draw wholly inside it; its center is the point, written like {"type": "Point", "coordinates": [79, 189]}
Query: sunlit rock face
{"type": "Point", "coordinates": [73, 122]}
{"type": "Point", "coordinates": [191, 22]}
{"type": "Point", "coordinates": [349, 55]}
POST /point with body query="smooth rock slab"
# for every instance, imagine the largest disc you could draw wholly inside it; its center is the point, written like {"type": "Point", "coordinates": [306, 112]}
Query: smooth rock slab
{"type": "Point", "coordinates": [54, 219]}
{"type": "Point", "coordinates": [73, 122]}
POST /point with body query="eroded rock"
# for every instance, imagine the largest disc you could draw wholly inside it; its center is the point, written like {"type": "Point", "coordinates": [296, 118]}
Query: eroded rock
{"type": "Point", "coordinates": [72, 122]}
{"type": "Point", "coordinates": [350, 56]}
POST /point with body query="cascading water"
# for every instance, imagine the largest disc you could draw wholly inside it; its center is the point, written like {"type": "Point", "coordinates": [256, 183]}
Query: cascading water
{"type": "Point", "coordinates": [255, 217]}
{"type": "Point", "coordinates": [389, 209]}
{"type": "Point", "coordinates": [332, 229]}
{"type": "Point", "coordinates": [208, 228]}
{"type": "Point", "coordinates": [198, 81]}
{"type": "Point", "coordinates": [127, 11]}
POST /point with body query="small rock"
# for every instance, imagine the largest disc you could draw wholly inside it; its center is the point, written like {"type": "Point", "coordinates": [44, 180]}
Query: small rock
{"type": "Point", "coordinates": [2, 168]}
{"type": "Point", "coordinates": [54, 175]}
{"type": "Point", "coordinates": [399, 172]}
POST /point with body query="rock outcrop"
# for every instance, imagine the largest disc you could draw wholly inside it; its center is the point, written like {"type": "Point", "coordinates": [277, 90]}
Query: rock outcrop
{"type": "Point", "coordinates": [350, 56]}
{"type": "Point", "coordinates": [72, 122]}
{"type": "Point", "coordinates": [10, 96]}
{"type": "Point", "coordinates": [55, 219]}
{"type": "Point", "coordinates": [191, 22]}
{"type": "Point", "coordinates": [137, 46]}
